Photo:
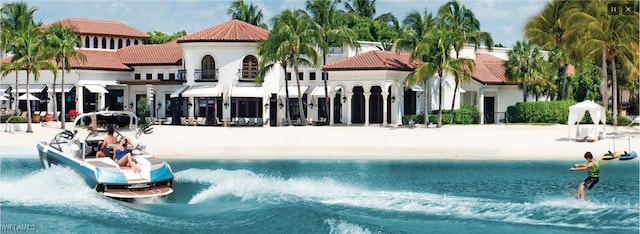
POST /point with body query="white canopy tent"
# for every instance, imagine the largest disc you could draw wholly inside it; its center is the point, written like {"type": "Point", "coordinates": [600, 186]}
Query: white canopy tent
{"type": "Point", "coordinates": [598, 116]}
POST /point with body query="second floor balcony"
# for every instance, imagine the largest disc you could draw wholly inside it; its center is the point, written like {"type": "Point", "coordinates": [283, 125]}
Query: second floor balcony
{"type": "Point", "coordinates": [205, 75]}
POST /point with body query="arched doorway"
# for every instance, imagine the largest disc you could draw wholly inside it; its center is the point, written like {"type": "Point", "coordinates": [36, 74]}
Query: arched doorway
{"type": "Point", "coordinates": [375, 105]}
{"type": "Point", "coordinates": [357, 105]}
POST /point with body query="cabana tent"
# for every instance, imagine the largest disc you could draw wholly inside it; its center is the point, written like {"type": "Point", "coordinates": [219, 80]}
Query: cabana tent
{"type": "Point", "coordinates": [598, 116]}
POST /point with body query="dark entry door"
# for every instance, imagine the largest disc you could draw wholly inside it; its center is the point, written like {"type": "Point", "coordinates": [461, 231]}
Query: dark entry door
{"type": "Point", "coordinates": [489, 110]}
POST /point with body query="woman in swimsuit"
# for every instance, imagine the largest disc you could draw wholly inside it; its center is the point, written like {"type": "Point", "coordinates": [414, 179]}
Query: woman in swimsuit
{"type": "Point", "coordinates": [122, 155]}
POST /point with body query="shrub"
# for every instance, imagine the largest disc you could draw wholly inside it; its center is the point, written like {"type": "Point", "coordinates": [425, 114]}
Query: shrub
{"type": "Point", "coordinates": [540, 112]}
{"type": "Point", "coordinates": [467, 114]}
{"type": "Point", "coordinates": [16, 119]}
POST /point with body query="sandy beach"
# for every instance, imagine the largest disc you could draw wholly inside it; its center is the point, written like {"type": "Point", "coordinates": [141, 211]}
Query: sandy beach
{"type": "Point", "coordinates": [465, 142]}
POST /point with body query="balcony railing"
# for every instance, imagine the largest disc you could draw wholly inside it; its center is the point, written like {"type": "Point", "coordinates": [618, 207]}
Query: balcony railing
{"type": "Point", "coordinates": [336, 50]}
{"type": "Point", "coordinates": [181, 75]}
{"type": "Point", "coordinates": [247, 76]}
{"type": "Point", "coordinates": [206, 74]}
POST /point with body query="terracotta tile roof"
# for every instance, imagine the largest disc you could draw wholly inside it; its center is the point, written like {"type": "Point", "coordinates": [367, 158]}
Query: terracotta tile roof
{"type": "Point", "coordinates": [169, 53]}
{"type": "Point", "coordinates": [374, 60]}
{"type": "Point", "coordinates": [234, 30]}
{"type": "Point", "coordinates": [102, 27]}
{"type": "Point", "coordinates": [100, 60]}
{"type": "Point", "coordinates": [489, 69]}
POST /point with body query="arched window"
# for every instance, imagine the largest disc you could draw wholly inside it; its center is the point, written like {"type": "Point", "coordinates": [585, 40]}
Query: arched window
{"type": "Point", "coordinates": [111, 43]}
{"type": "Point", "coordinates": [95, 42]}
{"type": "Point", "coordinates": [86, 42]}
{"type": "Point", "coordinates": [135, 42]}
{"type": "Point", "coordinates": [128, 42]}
{"type": "Point", "coordinates": [119, 43]}
{"type": "Point", "coordinates": [104, 43]}
{"type": "Point", "coordinates": [208, 67]}
{"type": "Point", "coordinates": [249, 67]}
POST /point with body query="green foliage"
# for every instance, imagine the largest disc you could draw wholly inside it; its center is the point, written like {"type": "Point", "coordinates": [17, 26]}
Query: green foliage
{"type": "Point", "coordinates": [585, 85]}
{"type": "Point", "coordinates": [467, 114]}
{"type": "Point", "coordinates": [143, 110]}
{"type": "Point", "coordinates": [16, 119]}
{"type": "Point", "coordinates": [413, 119]}
{"type": "Point", "coordinates": [156, 37]}
{"type": "Point", "coordinates": [540, 112]}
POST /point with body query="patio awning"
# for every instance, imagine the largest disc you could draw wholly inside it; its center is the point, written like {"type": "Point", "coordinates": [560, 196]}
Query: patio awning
{"type": "Point", "coordinates": [67, 88]}
{"type": "Point", "coordinates": [318, 91]}
{"type": "Point", "coordinates": [293, 91]}
{"type": "Point", "coordinates": [203, 91]}
{"type": "Point", "coordinates": [249, 92]}
{"type": "Point", "coordinates": [33, 88]}
{"type": "Point", "coordinates": [417, 88]}
{"type": "Point", "coordinates": [31, 97]}
{"type": "Point", "coordinates": [3, 98]}
{"type": "Point", "coordinates": [96, 88]}
{"type": "Point", "coordinates": [178, 92]}
{"type": "Point", "coordinates": [4, 88]}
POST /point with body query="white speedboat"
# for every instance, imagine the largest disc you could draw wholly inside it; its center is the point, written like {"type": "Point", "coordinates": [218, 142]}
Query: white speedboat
{"type": "Point", "coordinates": [77, 149]}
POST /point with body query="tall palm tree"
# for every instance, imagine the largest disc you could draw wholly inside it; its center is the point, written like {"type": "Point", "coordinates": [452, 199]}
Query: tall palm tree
{"type": "Point", "coordinates": [250, 14]}
{"type": "Point", "coordinates": [62, 41]}
{"type": "Point", "coordinates": [14, 18]}
{"type": "Point", "coordinates": [547, 30]}
{"type": "Point", "coordinates": [525, 64]}
{"type": "Point", "coordinates": [297, 35]}
{"type": "Point", "coordinates": [456, 17]}
{"type": "Point", "coordinates": [32, 53]}
{"type": "Point", "coordinates": [415, 28]}
{"type": "Point", "coordinates": [611, 36]}
{"type": "Point", "coordinates": [435, 54]}
{"type": "Point", "coordinates": [270, 57]}
{"type": "Point", "coordinates": [332, 32]}
{"type": "Point", "coordinates": [364, 8]}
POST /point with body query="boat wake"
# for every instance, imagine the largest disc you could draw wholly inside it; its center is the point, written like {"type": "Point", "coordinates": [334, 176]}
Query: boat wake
{"type": "Point", "coordinates": [54, 187]}
{"type": "Point", "coordinates": [546, 211]}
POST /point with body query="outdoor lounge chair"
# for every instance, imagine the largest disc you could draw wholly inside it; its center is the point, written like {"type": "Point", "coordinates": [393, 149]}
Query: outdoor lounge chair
{"type": "Point", "coordinates": [635, 120]}
{"type": "Point", "coordinates": [586, 135]}
{"type": "Point", "coordinates": [168, 120]}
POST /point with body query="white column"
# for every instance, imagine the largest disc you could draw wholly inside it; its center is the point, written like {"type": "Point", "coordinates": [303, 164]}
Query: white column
{"type": "Point", "coordinates": [332, 99]}
{"type": "Point", "coordinates": [481, 104]}
{"type": "Point", "coordinates": [349, 95]}
{"type": "Point", "coordinates": [384, 109]}
{"type": "Point", "coordinates": [79, 98]}
{"type": "Point", "coordinates": [366, 108]}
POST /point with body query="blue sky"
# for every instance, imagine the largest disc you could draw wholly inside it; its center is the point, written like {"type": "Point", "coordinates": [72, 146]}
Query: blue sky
{"type": "Point", "coordinates": [504, 19]}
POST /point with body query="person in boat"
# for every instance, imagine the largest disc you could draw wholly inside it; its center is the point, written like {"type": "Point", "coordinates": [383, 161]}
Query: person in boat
{"type": "Point", "coordinates": [122, 154]}
{"type": "Point", "coordinates": [108, 140]}
{"type": "Point", "coordinates": [593, 167]}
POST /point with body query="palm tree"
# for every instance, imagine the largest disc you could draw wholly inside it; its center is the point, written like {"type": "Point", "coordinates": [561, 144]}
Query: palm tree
{"type": "Point", "coordinates": [525, 64]}
{"type": "Point", "coordinates": [415, 29]}
{"type": "Point", "coordinates": [547, 30]}
{"type": "Point", "coordinates": [62, 41]}
{"type": "Point", "coordinates": [271, 56]}
{"type": "Point", "coordinates": [332, 31]}
{"type": "Point", "coordinates": [34, 56]}
{"type": "Point", "coordinates": [456, 17]}
{"type": "Point", "coordinates": [612, 37]}
{"type": "Point", "coordinates": [364, 8]}
{"type": "Point", "coordinates": [295, 35]}
{"type": "Point", "coordinates": [435, 54]}
{"type": "Point", "coordinates": [14, 18]}
{"type": "Point", "coordinates": [250, 14]}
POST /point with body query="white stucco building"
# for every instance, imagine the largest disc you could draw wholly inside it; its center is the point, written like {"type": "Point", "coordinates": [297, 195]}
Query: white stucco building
{"type": "Point", "coordinates": [210, 75]}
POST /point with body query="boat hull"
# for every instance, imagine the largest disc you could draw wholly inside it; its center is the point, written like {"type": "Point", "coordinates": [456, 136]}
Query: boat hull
{"type": "Point", "coordinates": [628, 156]}
{"type": "Point", "coordinates": [111, 181]}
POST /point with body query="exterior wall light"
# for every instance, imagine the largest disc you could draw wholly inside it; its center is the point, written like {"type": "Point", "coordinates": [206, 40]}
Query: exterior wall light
{"type": "Point", "coordinates": [281, 105]}
{"type": "Point", "coordinates": [344, 99]}
{"type": "Point", "coordinates": [393, 98]}
{"type": "Point", "coordinates": [266, 106]}
{"type": "Point", "coordinates": [226, 105]}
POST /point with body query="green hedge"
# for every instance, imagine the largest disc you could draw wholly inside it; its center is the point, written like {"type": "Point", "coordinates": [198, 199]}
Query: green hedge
{"type": "Point", "coordinates": [540, 112]}
{"type": "Point", "coordinates": [467, 114]}
{"type": "Point", "coordinates": [16, 119]}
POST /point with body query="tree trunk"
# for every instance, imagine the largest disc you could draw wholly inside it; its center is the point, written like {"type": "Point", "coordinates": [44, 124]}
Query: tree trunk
{"type": "Point", "coordinates": [29, 130]}
{"type": "Point", "coordinates": [55, 118]}
{"type": "Point", "coordinates": [287, 115]}
{"type": "Point", "coordinates": [16, 101]}
{"type": "Point", "coordinates": [564, 83]}
{"type": "Point", "coordinates": [524, 91]}
{"type": "Point", "coordinates": [453, 102]}
{"type": "Point", "coordinates": [300, 106]}
{"type": "Point", "coordinates": [603, 83]}
{"type": "Point", "coordinates": [63, 100]}
{"type": "Point", "coordinates": [615, 90]}
{"type": "Point", "coordinates": [440, 85]}
{"type": "Point", "coordinates": [426, 102]}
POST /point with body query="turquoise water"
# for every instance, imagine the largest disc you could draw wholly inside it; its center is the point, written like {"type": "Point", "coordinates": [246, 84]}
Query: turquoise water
{"type": "Point", "coordinates": [328, 196]}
